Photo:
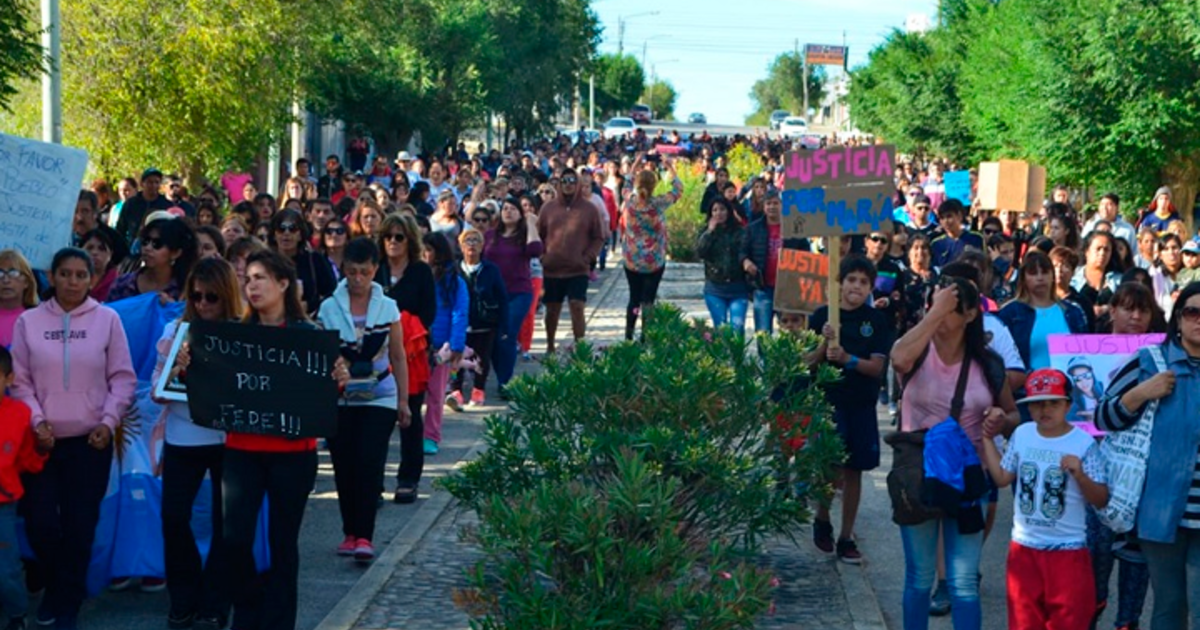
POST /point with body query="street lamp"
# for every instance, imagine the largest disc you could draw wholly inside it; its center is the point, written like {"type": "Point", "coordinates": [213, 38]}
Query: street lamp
{"type": "Point", "coordinates": [653, 80]}
{"type": "Point", "coordinates": [621, 28]}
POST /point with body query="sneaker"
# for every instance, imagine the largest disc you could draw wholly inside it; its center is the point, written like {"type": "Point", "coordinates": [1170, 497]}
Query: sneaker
{"type": "Point", "coordinates": [404, 495]}
{"type": "Point", "coordinates": [119, 584]}
{"type": "Point", "coordinates": [16, 623]}
{"type": "Point", "coordinates": [455, 401]}
{"type": "Point", "coordinates": [180, 621]}
{"type": "Point", "coordinates": [347, 546]}
{"type": "Point", "coordinates": [939, 604]}
{"type": "Point", "coordinates": [431, 447]}
{"type": "Point", "coordinates": [847, 552]}
{"type": "Point", "coordinates": [364, 551]}
{"type": "Point", "coordinates": [477, 397]}
{"type": "Point", "coordinates": [45, 616]}
{"type": "Point", "coordinates": [592, 277]}
{"type": "Point", "coordinates": [823, 535]}
{"type": "Point", "coordinates": [153, 584]}
{"type": "Point", "coordinates": [527, 357]}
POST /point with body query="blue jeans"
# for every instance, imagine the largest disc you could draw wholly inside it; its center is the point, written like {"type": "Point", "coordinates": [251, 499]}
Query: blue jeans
{"type": "Point", "coordinates": [13, 595]}
{"type": "Point", "coordinates": [764, 310]}
{"type": "Point", "coordinates": [920, 570]}
{"type": "Point", "coordinates": [507, 345]}
{"type": "Point", "coordinates": [1175, 578]}
{"type": "Point", "coordinates": [727, 311]}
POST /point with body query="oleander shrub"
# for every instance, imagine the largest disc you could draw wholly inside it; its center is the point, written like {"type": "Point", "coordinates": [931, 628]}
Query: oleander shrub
{"type": "Point", "coordinates": [630, 487]}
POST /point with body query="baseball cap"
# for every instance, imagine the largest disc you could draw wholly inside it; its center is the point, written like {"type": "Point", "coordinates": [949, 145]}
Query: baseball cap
{"type": "Point", "coordinates": [151, 171]}
{"type": "Point", "coordinates": [921, 199]}
{"type": "Point", "coordinates": [1191, 247]}
{"type": "Point", "coordinates": [1046, 384]}
{"type": "Point", "coordinates": [404, 156]}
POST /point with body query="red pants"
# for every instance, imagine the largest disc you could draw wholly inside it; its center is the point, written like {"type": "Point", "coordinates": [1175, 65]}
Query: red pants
{"type": "Point", "coordinates": [526, 335]}
{"type": "Point", "coordinates": [1050, 590]}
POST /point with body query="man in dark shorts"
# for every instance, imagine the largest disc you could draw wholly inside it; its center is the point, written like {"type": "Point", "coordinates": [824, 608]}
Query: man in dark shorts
{"type": "Point", "coordinates": [572, 236]}
{"type": "Point", "coordinates": [865, 338]}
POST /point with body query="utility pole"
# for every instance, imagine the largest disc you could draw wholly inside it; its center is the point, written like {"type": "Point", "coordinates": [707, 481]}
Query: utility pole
{"type": "Point", "coordinates": [592, 101]}
{"type": "Point", "coordinates": [803, 78]}
{"type": "Point", "coordinates": [653, 80]}
{"type": "Point", "coordinates": [620, 36]}
{"type": "Point", "coordinates": [52, 79]}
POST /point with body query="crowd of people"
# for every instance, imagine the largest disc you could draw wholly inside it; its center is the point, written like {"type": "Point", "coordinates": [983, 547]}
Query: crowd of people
{"type": "Point", "coordinates": [432, 270]}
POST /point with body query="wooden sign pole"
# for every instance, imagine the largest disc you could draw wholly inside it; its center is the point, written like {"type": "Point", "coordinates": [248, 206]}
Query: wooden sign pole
{"type": "Point", "coordinates": [834, 292]}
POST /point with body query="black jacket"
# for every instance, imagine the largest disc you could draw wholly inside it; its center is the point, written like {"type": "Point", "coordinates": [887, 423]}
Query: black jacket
{"type": "Point", "coordinates": [755, 246]}
{"type": "Point", "coordinates": [414, 292]}
{"type": "Point", "coordinates": [317, 281]}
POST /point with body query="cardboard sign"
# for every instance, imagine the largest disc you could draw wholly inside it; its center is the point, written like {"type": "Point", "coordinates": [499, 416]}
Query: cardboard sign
{"type": "Point", "coordinates": [800, 281]}
{"type": "Point", "coordinates": [1011, 185]}
{"type": "Point", "coordinates": [833, 192]}
{"type": "Point", "coordinates": [958, 186]}
{"type": "Point", "coordinates": [39, 185]}
{"type": "Point", "coordinates": [1092, 361]}
{"type": "Point", "coordinates": [263, 379]}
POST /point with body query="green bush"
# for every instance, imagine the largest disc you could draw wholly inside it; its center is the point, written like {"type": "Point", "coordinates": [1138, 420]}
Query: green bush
{"type": "Point", "coordinates": [743, 163]}
{"type": "Point", "coordinates": [629, 487]}
{"type": "Point", "coordinates": [684, 220]}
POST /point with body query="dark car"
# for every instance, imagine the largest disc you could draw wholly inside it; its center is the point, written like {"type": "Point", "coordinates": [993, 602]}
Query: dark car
{"type": "Point", "coordinates": [640, 113]}
{"type": "Point", "coordinates": [777, 117]}
{"type": "Point", "coordinates": [698, 119]}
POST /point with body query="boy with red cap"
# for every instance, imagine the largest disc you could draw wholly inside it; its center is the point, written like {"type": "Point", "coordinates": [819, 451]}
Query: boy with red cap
{"type": "Point", "coordinates": [1057, 467]}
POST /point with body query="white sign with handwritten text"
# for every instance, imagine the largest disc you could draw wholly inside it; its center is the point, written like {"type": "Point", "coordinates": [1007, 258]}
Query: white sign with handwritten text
{"type": "Point", "coordinates": [39, 186]}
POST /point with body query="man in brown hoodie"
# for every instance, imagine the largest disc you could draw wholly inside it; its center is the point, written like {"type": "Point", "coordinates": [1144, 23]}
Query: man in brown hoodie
{"type": "Point", "coordinates": [572, 235]}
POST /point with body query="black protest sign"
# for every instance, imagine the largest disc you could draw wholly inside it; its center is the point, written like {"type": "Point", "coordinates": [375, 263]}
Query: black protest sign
{"type": "Point", "coordinates": [263, 379]}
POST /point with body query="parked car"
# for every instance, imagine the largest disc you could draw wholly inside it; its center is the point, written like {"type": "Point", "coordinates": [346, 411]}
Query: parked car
{"type": "Point", "coordinates": [698, 119]}
{"type": "Point", "coordinates": [589, 135]}
{"type": "Point", "coordinates": [793, 127]}
{"type": "Point", "coordinates": [617, 127]}
{"type": "Point", "coordinates": [640, 113]}
{"type": "Point", "coordinates": [777, 118]}
{"type": "Point", "coordinates": [810, 141]}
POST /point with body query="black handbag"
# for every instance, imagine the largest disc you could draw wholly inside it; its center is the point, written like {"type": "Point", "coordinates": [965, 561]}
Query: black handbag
{"type": "Point", "coordinates": [906, 480]}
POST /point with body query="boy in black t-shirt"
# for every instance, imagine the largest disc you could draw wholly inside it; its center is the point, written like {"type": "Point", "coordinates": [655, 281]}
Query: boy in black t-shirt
{"type": "Point", "coordinates": [865, 337]}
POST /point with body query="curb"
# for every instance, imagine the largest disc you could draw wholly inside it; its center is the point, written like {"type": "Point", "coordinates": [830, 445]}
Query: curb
{"type": "Point", "coordinates": [355, 603]}
{"type": "Point", "coordinates": [860, 597]}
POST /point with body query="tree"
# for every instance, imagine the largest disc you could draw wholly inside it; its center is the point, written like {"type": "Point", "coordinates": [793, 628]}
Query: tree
{"type": "Point", "coordinates": [619, 82]}
{"type": "Point", "coordinates": [660, 96]}
{"type": "Point", "coordinates": [783, 87]}
{"type": "Point", "coordinates": [20, 51]}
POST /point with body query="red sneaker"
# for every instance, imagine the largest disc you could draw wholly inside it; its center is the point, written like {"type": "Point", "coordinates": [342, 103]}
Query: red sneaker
{"type": "Point", "coordinates": [364, 551]}
{"type": "Point", "coordinates": [347, 546]}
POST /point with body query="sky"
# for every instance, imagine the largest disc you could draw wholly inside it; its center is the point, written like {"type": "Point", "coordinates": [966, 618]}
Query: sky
{"type": "Point", "coordinates": [713, 51]}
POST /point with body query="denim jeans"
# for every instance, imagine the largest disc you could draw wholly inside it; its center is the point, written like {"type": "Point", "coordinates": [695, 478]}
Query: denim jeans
{"type": "Point", "coordinates": [727, 311]}
{"type": "Point", "coordinates": [507, 344]}
{"type": "Point", "coordinates": [1133, 578]}
{"type": "Point", "coordinates": [764, 310]}
{"type": "Point", "coordinates": [1175, 578]}
{"type": "Point", "coordinates": [920, 570]}
{"type": "Point", "coordinates": [13, 595]}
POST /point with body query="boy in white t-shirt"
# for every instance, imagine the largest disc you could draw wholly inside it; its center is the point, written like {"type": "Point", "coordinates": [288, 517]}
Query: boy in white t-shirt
{"type": "Point", "coordinates": [1057, 467]}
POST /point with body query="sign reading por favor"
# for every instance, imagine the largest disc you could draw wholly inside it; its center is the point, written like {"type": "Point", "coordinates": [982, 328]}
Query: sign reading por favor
{"type": "Point", "coordinates": [832, 192]}
{"type": "Point", "coordinates": [800, 281]}
{"type": "Point", "coordinates": [262, 379]}
{"type": "Point", "coordinates": [1091, 361]}
{"type": "Point", "coordinates": [39, 185]}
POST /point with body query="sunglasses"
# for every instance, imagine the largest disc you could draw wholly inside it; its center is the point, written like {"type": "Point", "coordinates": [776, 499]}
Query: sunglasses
{"type": "Point", "coordinates": [207, 296]}
{"type": "Point", "coordinates": [1190, 313]}
{"type": "Point", "coordinates": [395, 237]}
{"type": "Point", "coordinates": [1082, 376]}
{"type": "Point", "coordinates": [11, 274]}
{"type": "Point", "coordinates": [480, 219]}
{"type": "Point", "coordinates": [545, 192]}
{"type": "Point", "coordinates": [153, 243]}
{"type": "Point", "coordinates": [570, 180]}
{"type": "Point", "coordinates": [991, 232]}
{"type": "Point", "coordinates": [875, 238]}
{"type": "Point", "coordinates": [338, 231]}
{"type": "Point", "coordinates": [288, 227]}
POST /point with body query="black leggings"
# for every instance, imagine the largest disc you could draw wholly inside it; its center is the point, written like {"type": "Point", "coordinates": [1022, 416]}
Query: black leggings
{"type": "Point", "coordinates": [359, 455]}
{"type": "Point", "coordinates": [412, 446]}
{"type": "Point", "coordinates": [643, 291]}
{"type": "Point", "coordinates": [196, 587]}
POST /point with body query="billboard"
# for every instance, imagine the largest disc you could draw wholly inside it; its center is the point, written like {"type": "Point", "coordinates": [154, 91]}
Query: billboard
{"type": "Point", "coordinates": [821, 55]}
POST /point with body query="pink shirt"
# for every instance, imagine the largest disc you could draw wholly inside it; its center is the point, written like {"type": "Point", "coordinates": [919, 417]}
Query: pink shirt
{"type": "Point", "coordinates": [927, 396]}
{"type": "Point", "coordinates": [8, 319]}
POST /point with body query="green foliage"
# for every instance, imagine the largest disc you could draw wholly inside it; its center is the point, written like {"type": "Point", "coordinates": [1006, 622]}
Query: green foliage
{"type": "Point", "coordinates": [684, 220]}
{"type": "Point", "coordinates": [623, 480]}
{"type": "Point", "coordinates": [1106, 94]}
{"type": "Point", "coordinates": [743, 163]}
{"type": "Point", "coordinates": [20, 48]}
{"type": "Point", "coordinates": [783, 88]}
{"type": "Point", "coordinates": [619, 83]}
{"type": "Point", "coordinates": [660, 96]}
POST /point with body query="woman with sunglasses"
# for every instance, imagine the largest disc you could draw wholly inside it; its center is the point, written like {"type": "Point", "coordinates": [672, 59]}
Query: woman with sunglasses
{"type": "Point", "coordinates": [334, 238]}
{"type": "Point", "coordinates": [487, 322]}
{"type": "Point", "coordinates": [168, 251]}
{"type": "Point", "coordinates": [289, 236]}
{"type": "Point", "coordinates": [1168, 517]}
{"type": "Point", "coordinates": [73, 368]}
{"type": "Point", "coordinates": [190, 452]}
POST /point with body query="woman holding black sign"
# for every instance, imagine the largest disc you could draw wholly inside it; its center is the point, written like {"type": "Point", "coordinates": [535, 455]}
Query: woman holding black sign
{"type": "Point", "coordinates": [197, 589]}
{"type": "Point", "coordinates": [372, 342]}
{"type": "Point", "coordinates": [259, 465]}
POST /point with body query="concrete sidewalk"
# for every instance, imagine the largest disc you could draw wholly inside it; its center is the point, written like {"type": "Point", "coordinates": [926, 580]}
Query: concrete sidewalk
{"type": "Point", "coordinates": [413, 586]}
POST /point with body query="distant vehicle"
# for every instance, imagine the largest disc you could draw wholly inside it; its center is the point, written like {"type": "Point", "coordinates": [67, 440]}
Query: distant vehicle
{"type": "Point", "coordinates": [589, 135]}
{"type": "Point", "coordinates": [793, 127]}
{"type": "Point", "coordinates": [698, 119]}
{"type": "Point", "coordinates": [617, 127]}
{"type": "Point", "coordinates": [778, 116]}
{"type": "Point", "coordinates": [810, 141]}
{"type": "Point", "coordinates": [640, 113]}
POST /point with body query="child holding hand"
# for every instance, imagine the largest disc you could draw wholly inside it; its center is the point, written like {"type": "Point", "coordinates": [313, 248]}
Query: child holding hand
{"type": "Point", "coordinates": [1057, 468]}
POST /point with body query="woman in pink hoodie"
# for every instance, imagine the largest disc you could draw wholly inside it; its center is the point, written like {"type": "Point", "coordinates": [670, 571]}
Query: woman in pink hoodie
{"type": "Point", "coordinates": [72, 366]}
